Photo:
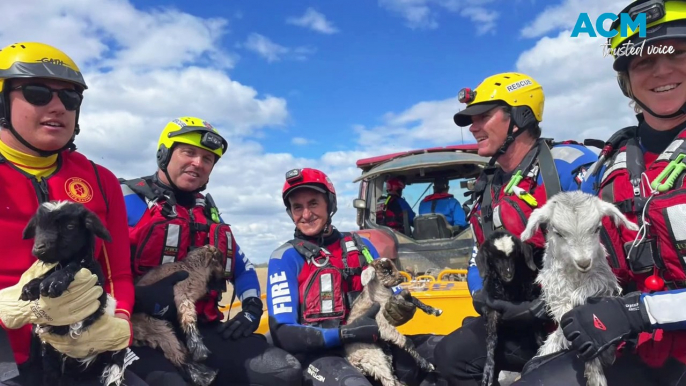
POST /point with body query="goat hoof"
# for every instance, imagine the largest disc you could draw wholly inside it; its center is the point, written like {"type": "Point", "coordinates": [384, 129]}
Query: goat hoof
{"type": "Point", "coordinates": [199, 352]}
{"type": "Point", "coordinates": [53, 288]}
{"type": "Point", "coordinates": [200, 374]}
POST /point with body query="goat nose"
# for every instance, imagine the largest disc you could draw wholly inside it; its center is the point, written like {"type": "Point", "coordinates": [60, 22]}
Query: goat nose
{"type": "Point", "coordinates": [39, 246]}
{"type": "Point", "coordinates": [583, 263]}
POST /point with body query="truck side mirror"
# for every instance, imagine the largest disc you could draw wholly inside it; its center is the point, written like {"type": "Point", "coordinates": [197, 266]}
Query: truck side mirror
{"type": "Point", "coordinates": [359, 203]}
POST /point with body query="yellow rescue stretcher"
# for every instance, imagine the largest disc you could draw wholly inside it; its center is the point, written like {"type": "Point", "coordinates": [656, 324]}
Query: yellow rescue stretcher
{"type": "Point", "coordinates": [452, 297]}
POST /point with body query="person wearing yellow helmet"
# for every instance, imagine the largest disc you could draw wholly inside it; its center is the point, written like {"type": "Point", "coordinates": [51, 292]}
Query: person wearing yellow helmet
{"type": "Point", "coordinates": [41, 92]}
{"type": "Point", "coordinates": [641, 170]}
{"type": "Point", "coordinates": [167, 217]}
{"type": "Point", "coordinates": [505, 111]}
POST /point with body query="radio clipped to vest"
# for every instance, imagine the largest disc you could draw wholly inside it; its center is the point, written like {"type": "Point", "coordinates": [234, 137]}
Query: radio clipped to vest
{"type": "Point", "coordinates": [326, 290]}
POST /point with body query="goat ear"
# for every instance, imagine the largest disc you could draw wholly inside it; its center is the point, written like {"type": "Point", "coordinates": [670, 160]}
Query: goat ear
{"type": "Point", "coordinates": [528, 256]}
{"type": "Point", "coordinates": [30, 230]}
{"type": "Point", "coordinates": [538, 216]}
{"type": "Point", "coordinates": [367, 275]}
{"type": "Point", "coordinates": [481, 260]}
{"type": "Point", "coordinates": [618, 217]}
{"type": "Point", "coordinates": [94, 224]}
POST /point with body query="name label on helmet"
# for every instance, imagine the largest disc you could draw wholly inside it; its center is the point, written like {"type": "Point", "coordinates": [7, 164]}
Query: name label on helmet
{"type": "Point", "coordinates": [516, 85]}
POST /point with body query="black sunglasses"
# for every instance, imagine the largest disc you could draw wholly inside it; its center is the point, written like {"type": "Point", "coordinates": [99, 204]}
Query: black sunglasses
{"type": "Point", "coordinates": [41, 95]}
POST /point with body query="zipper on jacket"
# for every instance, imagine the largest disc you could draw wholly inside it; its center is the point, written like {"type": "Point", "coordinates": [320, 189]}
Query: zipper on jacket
{"type": "Point", "coordinates": [41, 188]}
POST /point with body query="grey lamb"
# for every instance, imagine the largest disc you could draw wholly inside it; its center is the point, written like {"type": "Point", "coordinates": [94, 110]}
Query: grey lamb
{"type": "Point", "coordinates": [575, 265]}
{"type": "Point", "coordinates": [378, 281]}
{"type": "Point", "coordinates": [202, 264]}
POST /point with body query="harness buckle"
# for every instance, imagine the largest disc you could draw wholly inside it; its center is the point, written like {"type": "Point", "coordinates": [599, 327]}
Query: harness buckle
{"type": "Point", "coordinates": [321, 254]}
{"type": "Point", "coordinates": [665, 180]}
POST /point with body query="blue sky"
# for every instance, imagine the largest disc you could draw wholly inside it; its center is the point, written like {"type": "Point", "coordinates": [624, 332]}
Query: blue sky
{"type": "Point", "coordinates": [372, 64]}
{"type": "Point", "coordinates": [311, 83]}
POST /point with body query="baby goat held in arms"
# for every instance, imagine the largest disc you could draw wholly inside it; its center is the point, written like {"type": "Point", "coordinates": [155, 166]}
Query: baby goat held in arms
{"type": "Point", "coordinates": [378, 281]}
{"type": "Point", "coordinates": [575, 265]}
{"type": "Point", "coordinates": [64, 232]}
{"type": "Point", "coordinates": [202, 264]}
{"type": "Point", "coordinates": [507, 267]}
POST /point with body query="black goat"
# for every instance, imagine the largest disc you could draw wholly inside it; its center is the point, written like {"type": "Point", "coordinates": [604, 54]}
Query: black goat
{"type": "Point", "coordinates": [64, 232]}
{"type": "Point", "coordinates": [507, 266]}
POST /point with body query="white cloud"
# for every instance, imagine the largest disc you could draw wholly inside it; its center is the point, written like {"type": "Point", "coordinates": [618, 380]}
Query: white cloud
{"type": "Point", "coordinates": [565, 14]}
{"type": "Point", "coordinates": [422, 14]}
{"type": "Point", "coordinates": [300, 141]}
{"type": "Point", "coordinates": [273, 52]}
{"type": "Point", "coordinates": [313, 20]}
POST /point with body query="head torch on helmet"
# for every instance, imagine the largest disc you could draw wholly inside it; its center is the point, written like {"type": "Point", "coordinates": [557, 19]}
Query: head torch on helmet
{"type": "Point", "coordinates": [466, 95]}
{"type": "Point", "coordinates": [653, 9]}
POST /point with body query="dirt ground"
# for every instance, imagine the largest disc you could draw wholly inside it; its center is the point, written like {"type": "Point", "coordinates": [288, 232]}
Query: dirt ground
{"type": "Point", "coordinates": [261, 275]}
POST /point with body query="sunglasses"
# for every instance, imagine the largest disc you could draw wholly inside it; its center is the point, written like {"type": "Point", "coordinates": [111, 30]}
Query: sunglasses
{"type": "Point", "coordinates": [41, 95]}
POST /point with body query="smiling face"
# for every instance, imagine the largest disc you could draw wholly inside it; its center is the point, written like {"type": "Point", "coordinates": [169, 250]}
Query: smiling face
{"type": "Point", "coordinates": [490, 131]}
{"type": "Point", "coordinates": [659, 80]}
{"type": "Point", "coordinates": [309, 211]}
{"type": "Point", "coordinates": [48, 127]}
{"type": "Point", "coordinates": [189, 167]}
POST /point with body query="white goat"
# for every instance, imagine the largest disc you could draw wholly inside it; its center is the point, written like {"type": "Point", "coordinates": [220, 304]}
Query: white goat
{"type": "Point", "coordinates": [575, 265]}
{"type": "Point", "coordinates": [378, 281]}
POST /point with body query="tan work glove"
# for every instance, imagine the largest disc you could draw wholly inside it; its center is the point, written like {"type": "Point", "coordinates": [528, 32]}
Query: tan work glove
{"type": "Point", "coordinates": [108, 333]}
{"type": "Point", "coordinates": [79, 301]}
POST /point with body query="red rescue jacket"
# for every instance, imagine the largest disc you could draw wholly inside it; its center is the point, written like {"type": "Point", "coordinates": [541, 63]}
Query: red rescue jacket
{"type": "Point", "coordinates": [167, 232]}
{"type": "Point", "coordinates": [662, 251]}
{"type": "Point", "coordinates": [76, 179]}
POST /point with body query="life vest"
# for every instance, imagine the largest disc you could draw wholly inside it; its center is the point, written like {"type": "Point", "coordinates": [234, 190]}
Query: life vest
{"type": "Point", "coordinates": [663, 249]}
{"type": "Point", "coordinates": [328, 284]}
{"type": "Point", "coordinates": [76, 179]}
{"type": "Point", "coordinates": [386, 216]}
{"type": "Point", "coordinates": [167, 232]}
{"type": "Point", "coordinates": [501, 208]}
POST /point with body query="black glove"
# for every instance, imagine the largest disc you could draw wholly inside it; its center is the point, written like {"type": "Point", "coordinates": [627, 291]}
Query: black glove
{"type": "Point", "coordinates": [245, 322]}
{"type": "Point", "coordinates": [602, 321]}
{"type": "Point", "coordinates": [519, 312]}
{"type": "Point", "coordinates": [399, 309]}
{"type": "Point", "coordinates": [157, 299]}
{"type": "Point", "coordinates": [363, 329]}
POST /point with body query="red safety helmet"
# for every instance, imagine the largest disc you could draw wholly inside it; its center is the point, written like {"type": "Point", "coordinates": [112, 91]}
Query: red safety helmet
{"type": "Point", "coordinates": [312, 179]}
{"type": "Point", "coordinates": [394, 184]}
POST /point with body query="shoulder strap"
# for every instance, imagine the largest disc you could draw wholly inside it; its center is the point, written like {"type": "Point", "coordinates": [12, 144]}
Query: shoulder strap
{"type": "Point", "coordinates": [551, 179]}
{"type": "Point", "coordinates": [308, 250]}
{"type": "Point", "coordinates": [104, 194]}
{"type": "Point", "coordinates": [140, 186]}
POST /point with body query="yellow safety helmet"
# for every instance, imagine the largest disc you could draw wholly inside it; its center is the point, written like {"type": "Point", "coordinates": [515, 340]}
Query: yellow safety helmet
{"type": "Point", "coordinates": [670, 15]}
{"type": "Point", "coordinates": [36, 60]}
{"type": "Point", "coordinates": [192, 131]}
{"type": "Point", "coordinates": [507, 89]}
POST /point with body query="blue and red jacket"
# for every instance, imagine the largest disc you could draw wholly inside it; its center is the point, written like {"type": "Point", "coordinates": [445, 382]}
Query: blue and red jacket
{"type": "Point", "coordinates": [286, 287]}
{"type": "Point", "coordinates": [446, 205]}
{"type": "Point", "coordinates": [196, 231]}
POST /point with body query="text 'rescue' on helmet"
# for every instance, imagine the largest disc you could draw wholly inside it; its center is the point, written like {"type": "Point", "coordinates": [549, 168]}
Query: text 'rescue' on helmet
{"type": "Point", "coordinates": [28, 60]}
{"type": "Point", "coordinates": [311, 179]}
{"type": "Point", "coordinates": [519, 91]}
{"type": "Point", "coordinates": [191, 131]}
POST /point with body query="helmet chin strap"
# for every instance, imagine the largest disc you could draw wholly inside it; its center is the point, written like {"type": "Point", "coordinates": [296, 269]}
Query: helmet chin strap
{"type": "Point", "coordinates": [680, 111]}
{"type": "Point", "coordinates": [42, 153]}
{"type": "Point", "coordinates": [511, 136]}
